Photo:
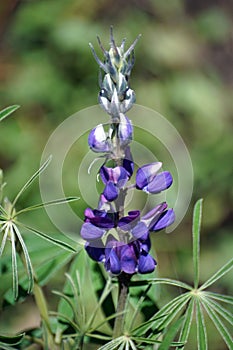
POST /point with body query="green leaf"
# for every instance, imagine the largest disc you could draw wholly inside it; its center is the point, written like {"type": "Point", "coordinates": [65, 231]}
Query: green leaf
{"type": "Point", "coordinates": [4, 238]}
{"type": "Point", "coordinates": [224, 298]}
{"type": "Point", "coordinates": [99, 281]}
{"type": "Point", "coordinates": [113, 344]}
{"type": "Point", "coordinates": [11, 339]}
{"type": "Point", "coordinates": [47, 269]}
{"type": "Point", "coordinates": [220, 326]}
{"type": "Point", "coordinates": [170, 334]}
{"type": "Point", "coordinates": [98, 336]}
{"type": "Point", "coordinates": [139, 305]}
{"type": "Point", "coordinates": [6, 347]}
{"type": "Point", "coordinates": [201, 328]}
{"type": "Point", "coordinates": [220, 273]}
{"type": "Point", "coordinates": [219, 309]}
{"type": "Point", "coordinates": [59, 243]}
{"type": "Point", "coordinates": [14, 266]}
{"type": "Point", "coordinates": [197, 212]}
{"type": "Point", "coordinates": [30, 181]}
{"type": "Point", "coordinates": [163, 323]}
{"type": "Point", "coordinates": [160, 281]}
{"type": "Point", "coordinates": [27, 257]}
{"type": "Point", "coordinates": [108, 288]}
{"type": "Point", "coordinates": [184, 334]}
{"type": "Point", "coordinates": [154, 341]}
{"type": "Point", "coordinates": [7, 111]}
{"type": "Point", "coordinates": [66, 318]}
{"type": "Point", "coordinates": [67, 299]}
{"type": "Point", "coordinates": [46, 204]}
{"type": "Point", "coordinates": [163, 314]}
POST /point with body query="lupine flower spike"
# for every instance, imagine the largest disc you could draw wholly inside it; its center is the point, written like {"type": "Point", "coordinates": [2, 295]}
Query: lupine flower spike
{"type": "Point", "coordinates": [122, 241]}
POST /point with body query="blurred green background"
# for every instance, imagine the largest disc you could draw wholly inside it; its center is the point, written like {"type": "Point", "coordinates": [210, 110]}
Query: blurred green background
{"type": "Point", "coordinates": [183, 70]}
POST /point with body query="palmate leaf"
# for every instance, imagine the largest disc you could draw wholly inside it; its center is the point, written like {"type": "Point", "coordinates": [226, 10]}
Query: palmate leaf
{"type": "Point", "coordinates": [67, 319]}
{"type": "Point", "coordinates": [214, 305]}
{"type": "Point", "coordinates": [169, 281]}
{"type": "Point", "coordinates": [196, 240]}
{"type": "Point", "coordinates": [113, 344]}
{"type": "Point", "coordinates": [11, 339]}
{"type": "Point", "coordinates": [48, 268]}
{"type": "Point", "coordinates": [219, 274]}
{"type": "Point", "coordinates": [184, 333]}
{"type": "Point", "coordinates": [163, 323]}
{"type": "Point", "coordinates": [219, 325]}
{"type": "Point", "coordinates": [14, 266]}
{"type": "Point", "coordinates": [170, 334]}
{"type": "Point", "coordinates": [46, 204]}
{"type": "Point", "coordinates": [30, 181]}
{"type": "Point", "coordinates": [59, 243]}
{"type": "Point", "coordinates": [107, 290]}
{"type": "Point", "coordinates": [164, 316]}
{"type": "Point", "coordinates": [224, 298]}
{"type": "Point", "coordinates": [201, 328]}
{"type": "Point", "coordinates": [26, 256]}
{"type": "Point", "coordinates": [99, 280]}
{"type": "Point", "coordinates": [7, 111]}
{"type": "Point", "coordinates": [138, 307]}
{"type": "Point", "coordinates": [143, 341]}
{"type": "Point", "coordinates": [4, 238]}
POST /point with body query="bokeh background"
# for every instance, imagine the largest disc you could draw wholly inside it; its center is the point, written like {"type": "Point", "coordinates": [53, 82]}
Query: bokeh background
{"type": "Point", "coordinates": [183, 70]}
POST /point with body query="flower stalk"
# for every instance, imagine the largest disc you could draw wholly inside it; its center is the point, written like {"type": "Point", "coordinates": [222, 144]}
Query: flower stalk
{"type": "Point", "coordinates": [123, 293]}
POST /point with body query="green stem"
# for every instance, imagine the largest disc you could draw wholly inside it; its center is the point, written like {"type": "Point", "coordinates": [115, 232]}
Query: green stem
{"type": "Point", "coordinates": [123, 281]}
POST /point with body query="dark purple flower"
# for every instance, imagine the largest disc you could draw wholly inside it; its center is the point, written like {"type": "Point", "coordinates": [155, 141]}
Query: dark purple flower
{"type": "Point", "coordinates": [146, 263]}
{"type": "Point", "coordinates": [129, 258]}
{"type": "Point", "coordinates": [128, 163]}
{"type": "Point", "coordinates": [101, 218]}
{"type": "Point", "coordinates": [148, 179]}
{"type": "Point", "coordinates": [96, 250]}
{"type": "Point", "coordinates": [114, 179]}
{"type": "Point", "coordinates": [127, 222]}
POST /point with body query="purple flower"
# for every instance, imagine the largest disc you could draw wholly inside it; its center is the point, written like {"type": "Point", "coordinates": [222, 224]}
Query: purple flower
{"type": "Point", "coordinates": [155, 220]}
{"type": "Point", "coordinates": [101, 218]}
{"type": "Point", "coordinates": [125, 130]}
{"type": "Point", "coordinates": [121, 257]}
{"type": "Point", "coordinates": [148, 179]}
{"type": "Point", "coordinates": [114, 179]}
{"type": "Point", "coordinates": [96, 250]}
{"type": "Point", "coordinates": [99, 222]}
{"type": "Point", "coordinates": [129, 258]}
{"type": "Point", "coordinates": [98, 140]}
{"type": "Point", "coordinates": [128, 163]}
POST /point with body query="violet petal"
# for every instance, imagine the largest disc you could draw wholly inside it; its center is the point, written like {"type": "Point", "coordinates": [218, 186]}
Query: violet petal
{"type": "Point", "coordinates": [167, 218]}
{"type": "Point", "coordinates": [146, 263]}
{"type": "Point", "coordinates": [146, 173]}
{"type": "Point", "coordinates": [113, 263]}
{"type": "Point", "coordinates": [110, 191]}
{"type": "Point", "coordinates": [95, 252]}
{"type": "Point", "coordinates": [128, 259]}
{"type": "Point", "coordinates": [159, 183]}
{"type": "Point", "coordinates": [140, 230]}
{"type": "Point", "coordinates": [127, 222]}
{"type": "Point", "coordinates": [90, 232]}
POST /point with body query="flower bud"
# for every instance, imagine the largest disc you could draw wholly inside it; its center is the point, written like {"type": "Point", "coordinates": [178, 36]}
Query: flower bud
{"type": "Point", "coordinates": [125, 130]}
{"type": "Point", "coordinates": [98, 140]}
